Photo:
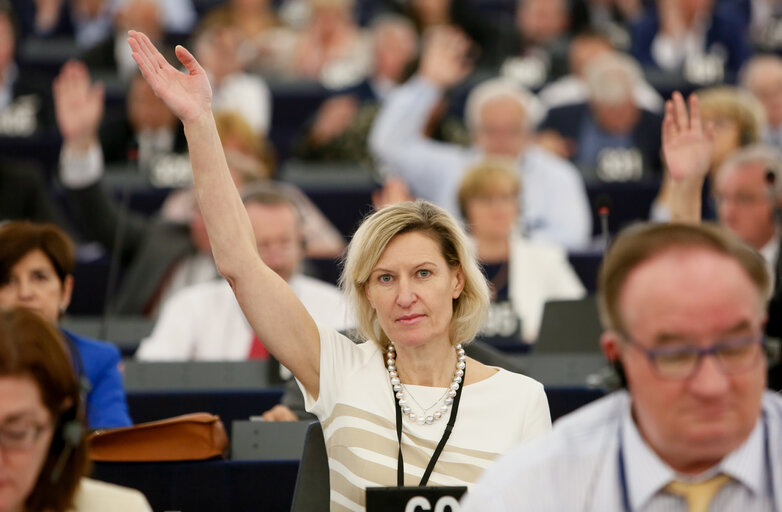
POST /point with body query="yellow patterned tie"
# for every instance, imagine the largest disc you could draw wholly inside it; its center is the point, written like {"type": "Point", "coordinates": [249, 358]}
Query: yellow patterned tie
{"type": "Point", "coordinates": [698, 495]}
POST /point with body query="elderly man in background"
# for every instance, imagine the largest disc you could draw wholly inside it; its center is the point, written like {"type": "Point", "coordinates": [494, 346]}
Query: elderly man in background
{"type": "Point", "coordinates": [204, 321]}
{"type": "Point", "coordinates": [500, 121]}
{"type": "Point", "coordinates": [683, 307]}
{"type": "Point", "coordinates": [763, 77]}
{"type": "Point", "coordinates": [608, 136]}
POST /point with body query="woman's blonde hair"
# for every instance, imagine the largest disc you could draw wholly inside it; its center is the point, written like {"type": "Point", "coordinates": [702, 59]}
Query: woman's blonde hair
{"type": "Point", "coordinates": [370, 241]}
{"type": "Point", "coordinates": [485, 177]}
{"type": "Point", "coordinates": [735, 104]}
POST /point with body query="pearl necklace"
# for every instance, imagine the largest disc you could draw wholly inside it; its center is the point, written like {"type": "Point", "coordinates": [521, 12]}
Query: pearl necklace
{"type": "Point", "coordinates": [396, 384]}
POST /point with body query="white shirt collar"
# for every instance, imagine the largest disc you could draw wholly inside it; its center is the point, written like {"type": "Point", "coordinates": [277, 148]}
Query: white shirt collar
{"type": "Point", "coordinates": [770, 253]}
{"type": "Point", "coordinates": [646, 474]}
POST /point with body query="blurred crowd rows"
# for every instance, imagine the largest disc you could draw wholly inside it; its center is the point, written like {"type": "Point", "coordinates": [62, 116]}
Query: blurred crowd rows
{"type": "Point", "coordinates": [398, 91]}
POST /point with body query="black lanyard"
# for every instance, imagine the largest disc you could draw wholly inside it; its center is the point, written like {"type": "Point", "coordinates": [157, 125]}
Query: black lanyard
{"type": "Point", "coordinates": [766, 452]}
{"type": "Point", "coordinates": [400, 468]}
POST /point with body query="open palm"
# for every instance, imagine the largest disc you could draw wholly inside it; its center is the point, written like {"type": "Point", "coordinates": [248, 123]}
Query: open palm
{"type": "Point", "coordinates": [188, 95]}
{"type": "Point", "coordinates": [687, 143]}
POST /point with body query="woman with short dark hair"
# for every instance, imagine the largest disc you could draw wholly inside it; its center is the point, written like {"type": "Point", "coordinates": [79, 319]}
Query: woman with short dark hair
{"type": "Point", "coordinates": [36, 273]}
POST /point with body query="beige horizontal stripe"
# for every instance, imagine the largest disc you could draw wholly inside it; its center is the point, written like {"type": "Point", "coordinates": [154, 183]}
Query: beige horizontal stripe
{"type": "Point", "coordinates": [345, 439]}
{"type": "Point", "coordinates": [354, 412]}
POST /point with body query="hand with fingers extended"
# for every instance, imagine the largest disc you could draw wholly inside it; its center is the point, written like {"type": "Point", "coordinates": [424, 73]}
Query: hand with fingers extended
{"type": "Point", "coordinates": [445, 59]}
{"type": "Point", "coordinates": [188, 95]}
{"type": "Point", "coordinates": [78, 104]}
{"type": "Point", "coordinates": [687, 142]}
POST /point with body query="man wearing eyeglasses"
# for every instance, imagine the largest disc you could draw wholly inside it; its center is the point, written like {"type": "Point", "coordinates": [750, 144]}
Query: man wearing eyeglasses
{"type": "Point", "coordinates": [683, 308]}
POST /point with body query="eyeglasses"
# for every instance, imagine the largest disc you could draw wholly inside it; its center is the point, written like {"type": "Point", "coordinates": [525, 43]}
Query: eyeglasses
{"type": "Point", "coordinates": [22, 437]}
{"type": "Point", "coordinates": [682, 361]}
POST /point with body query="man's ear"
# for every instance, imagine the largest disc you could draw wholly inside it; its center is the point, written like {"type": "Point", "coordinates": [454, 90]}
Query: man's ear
{"type": "Point", "coordinates": [611, 344]}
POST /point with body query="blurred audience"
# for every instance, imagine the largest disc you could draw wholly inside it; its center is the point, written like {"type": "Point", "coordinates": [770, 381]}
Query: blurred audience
{"type": "Point", "coordinates": [111, 55]}
{"type": "Point", "coordinates": [90, 21]}
{"type": "Point", "coordinates": [737, 120]}
{"type": "Point", "coordinates": [585, 47]}
{"type": "Point", "coordinates": [162, 254]}
{"type": "Point", "coordinates": [36, 273]}
{"type": "Point", "coordinates": [762, 20]}
{"type": "Point", "coordinates": [536, 52]}
{"type": "Point", "coordinates": [44, 435]}
{"type": "Point", "coordinates": [205, 322]}
{"type": "Point", "coordinates": [762, 76]}
{"type": "Point", "coordinates": [704, 42]}
{"type": "Point", "coordinates": [143, 131]}
{"type": "Point", "coordinates": [331, 48]}
{"type": "Point", "coordinates": [523, 274]}
{"type": "Point", "coordinates": [748, 195]}
{"type": "Point", "coordinates": [341, 126]}
{"type": "Point", "coordinates": [609, 17]}
{"type": "Point", "coordinates": [609, 136]}
{"type": "Point", "coordinates": [25, 104]}
{"type": "Point", "coordinates": [216, 46]}
{"type": "Point", "coordinates": [498, 115]}
{"type": "Point", "coordinates": [24, 195]}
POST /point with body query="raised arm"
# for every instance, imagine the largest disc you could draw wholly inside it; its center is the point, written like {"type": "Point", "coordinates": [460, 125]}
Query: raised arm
{"type": "Point", "coordinates": [275, 313]}
{"type": "Point", "coordinates": [397, 137]}
{"type": "Point", "coordinates": [687, 149]}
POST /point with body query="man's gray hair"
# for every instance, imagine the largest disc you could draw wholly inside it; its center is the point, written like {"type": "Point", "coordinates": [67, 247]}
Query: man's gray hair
{"type": "Point", "coordinates": [611, 78]}
{"type": "Point", "coordinates": [497, 88]}
{"type": "Point", "coordinates": [769, 157]}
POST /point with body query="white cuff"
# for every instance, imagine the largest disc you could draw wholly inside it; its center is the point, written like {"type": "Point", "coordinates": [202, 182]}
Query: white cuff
{"type": "Point", "coordinates": [81, 169]}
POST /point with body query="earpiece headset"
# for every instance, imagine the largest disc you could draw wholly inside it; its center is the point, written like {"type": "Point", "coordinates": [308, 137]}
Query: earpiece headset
{"type": "Point", "coordinates": [72, 429]}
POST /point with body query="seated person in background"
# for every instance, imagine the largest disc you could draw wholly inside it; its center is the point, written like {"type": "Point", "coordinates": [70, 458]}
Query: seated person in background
{"type": "Point", "coordinates": [204, 322]}
{"type": "Point", "coordinates": [677, 36]}
{"type": "Point", "coordinates": [110, 55]}
{"type": "Point", "coordinates": [499, 119]}
{"type": "Point", "coordinates": [143, 131]}
{"type": "Point", "coordinates": [341, 126]}
{"type": "Point", "coordinates": [36, 273]}
{"type": "Point", "coordinates": [762, 76]}
{"type": "Point", "coordinates": [522, 274]}
{"type": "Point", "coordinates": [748, 193]}
{"type": "Point", "coordinates": [331, 48]}
{"type": "Point", "coordinates": [23, 194]}
{"type": "Point", "coordinates": [45, 452]}
{"type": "Point", "coordinates": [535, 51]}
{"type": "Point", "coordinates": [609, 137]}
{"type": "Point", "coordinates": [25, 103]}
{"type": "Point", "coordinates": [737, 121]}
{"type": "Point", "coordinates": [683, 309]}
{"type": "Point", "coordinates": [572, 88]}
{"type": "Point", "coordinates": [217, 43]}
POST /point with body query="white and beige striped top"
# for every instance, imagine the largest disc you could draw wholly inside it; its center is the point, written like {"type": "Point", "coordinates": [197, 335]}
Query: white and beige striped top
{"type": "Point", "coordinates": [356, 408]}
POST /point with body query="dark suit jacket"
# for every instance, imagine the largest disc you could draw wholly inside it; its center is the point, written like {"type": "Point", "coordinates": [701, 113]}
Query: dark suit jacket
{"type": "Point", "coordinates": [726, 30]}
{"type": "Point", "coordinates": [148, 251]}
{"type": "Point", "coordinates": [568, 119]}
{"type": "Point", "coordinates": [24, 196]}
{"type": "Point", "coordinates": [774, 325]}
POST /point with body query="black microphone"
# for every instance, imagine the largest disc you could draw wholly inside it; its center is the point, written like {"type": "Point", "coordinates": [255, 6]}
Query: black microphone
{"type": "Point", "coordinates": [603, 204]}
{"type": "Point", "coordinates": [116, 260]}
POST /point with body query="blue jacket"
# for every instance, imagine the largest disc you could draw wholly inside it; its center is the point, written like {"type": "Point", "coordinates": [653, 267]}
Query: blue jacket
{"type": "Point", "coordinates": [99, 362]}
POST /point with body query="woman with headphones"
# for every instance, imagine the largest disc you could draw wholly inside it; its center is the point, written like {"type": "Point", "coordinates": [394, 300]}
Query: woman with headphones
{"type": "Point", "coordinates": [42, 426]}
